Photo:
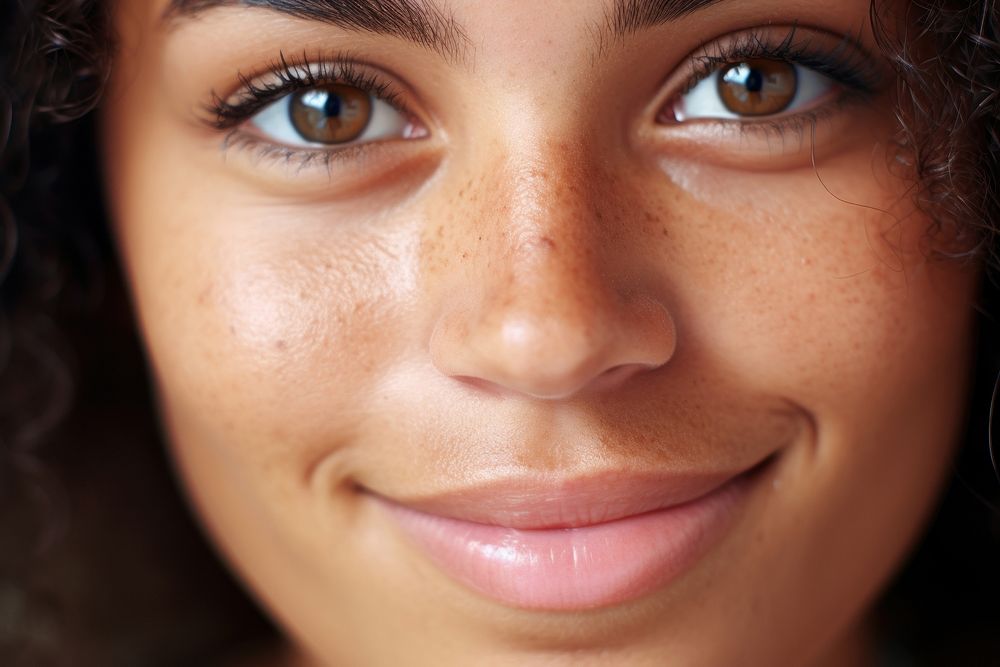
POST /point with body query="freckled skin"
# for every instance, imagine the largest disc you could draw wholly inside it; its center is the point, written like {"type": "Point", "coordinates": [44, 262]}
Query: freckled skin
{"type": "Point", "coordinates": [547, 283]}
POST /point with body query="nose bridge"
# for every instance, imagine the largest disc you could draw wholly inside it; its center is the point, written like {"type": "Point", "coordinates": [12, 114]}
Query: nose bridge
{"type": "Point", "coordinates": [549, 225]}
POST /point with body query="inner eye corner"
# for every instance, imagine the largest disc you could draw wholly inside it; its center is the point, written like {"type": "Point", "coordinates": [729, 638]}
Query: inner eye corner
{"type": "Point", "coordinates": [666, 111]}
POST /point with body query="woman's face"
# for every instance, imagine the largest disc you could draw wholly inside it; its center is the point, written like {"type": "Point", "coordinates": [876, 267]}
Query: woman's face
{"type": "Point", "coordinates": [576, 332]}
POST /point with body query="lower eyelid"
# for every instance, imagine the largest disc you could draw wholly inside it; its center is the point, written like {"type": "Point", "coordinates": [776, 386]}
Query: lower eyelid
{"type": "Point", "coordinates": [771, 144]}
{"type": "Point", "coordinates": [308, 175]}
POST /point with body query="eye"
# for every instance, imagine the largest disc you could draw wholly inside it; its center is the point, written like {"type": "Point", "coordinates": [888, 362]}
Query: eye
{"type": "Point", "coordinates": [330, 115]}
{"type": "Point", "coordinates": [753, 88]}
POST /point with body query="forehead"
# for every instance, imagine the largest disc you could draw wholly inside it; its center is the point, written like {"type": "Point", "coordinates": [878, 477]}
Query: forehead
{"type": "Point", "coordinates": [430, 19]}
{"type": "Point", "coordinates": [450, 28]}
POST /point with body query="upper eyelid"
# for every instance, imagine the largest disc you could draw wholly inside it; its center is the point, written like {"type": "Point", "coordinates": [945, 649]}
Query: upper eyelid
{"type": "Point", "coordinates": [798, 45]}
{"type": "Point", "coordinates": [258, 90]}
{"type": "Point", "coordinates": [284, 63]}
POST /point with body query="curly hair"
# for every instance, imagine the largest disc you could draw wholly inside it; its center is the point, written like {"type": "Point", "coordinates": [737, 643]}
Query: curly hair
{"type": "Point", "coordinates": [79, 451]}
{"type": "Point", "coordinates": [63, 314]}
{"type": "Point", "coordinates": [947, 61]}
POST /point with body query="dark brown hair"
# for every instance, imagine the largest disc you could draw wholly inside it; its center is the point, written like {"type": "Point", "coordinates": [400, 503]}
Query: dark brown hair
{"type": "Point", "coordinates": [99, 563]}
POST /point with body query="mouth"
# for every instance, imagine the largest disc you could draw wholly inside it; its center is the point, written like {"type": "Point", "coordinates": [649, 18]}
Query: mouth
{"type": "Point", "coordinates": [576, 544]}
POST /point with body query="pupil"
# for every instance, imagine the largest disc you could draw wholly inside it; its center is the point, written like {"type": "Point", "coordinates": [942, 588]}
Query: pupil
{"type": "Point", "coordinates": [747, 76]}
{"type": "Point", "coordinates": [327, 104]}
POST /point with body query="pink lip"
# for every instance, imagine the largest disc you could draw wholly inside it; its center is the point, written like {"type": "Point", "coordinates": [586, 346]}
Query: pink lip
{"type": "Point", "coordinates": [579, 544]}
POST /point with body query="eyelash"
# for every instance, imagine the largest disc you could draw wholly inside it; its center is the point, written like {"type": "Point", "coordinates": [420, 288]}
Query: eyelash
{"type": "Point", "coordinates": [846, 65]}
{"type": "Point", "coordinates": [289, 75]}
{"type": "Point", "coordinates": [847, 69]}
{"type": "Point", "coordinates": [294, 74]}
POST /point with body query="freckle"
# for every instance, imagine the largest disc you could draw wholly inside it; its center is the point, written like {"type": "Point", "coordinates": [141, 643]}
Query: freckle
{"type": "Point", "coordinates": [232, 329]}
{"type": "Point", "coordinates": [465, 255]}
{"type": "Point", "coordinates": [280, 345]}
{"type": "Point", "coordinates": [666, 233]}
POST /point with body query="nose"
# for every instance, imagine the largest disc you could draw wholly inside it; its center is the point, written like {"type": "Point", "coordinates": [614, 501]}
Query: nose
{"type": "Point", "coordinates": [550, 306]}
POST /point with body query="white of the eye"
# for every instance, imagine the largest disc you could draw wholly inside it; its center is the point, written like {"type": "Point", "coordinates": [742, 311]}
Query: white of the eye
{"type": "Point", "coordinates": [274, 122]}
{"type": "Point", "coordinates": [703, 100]}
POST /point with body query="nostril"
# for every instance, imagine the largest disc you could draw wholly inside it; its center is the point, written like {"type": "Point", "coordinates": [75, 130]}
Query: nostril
{"type": "Point", "coordinates": [483, 386]}
{"type": "Point", "coordinates": [609, 380]}
{"type": "Point", "coordinates": [613, 378]}
{"type": "Point", "coordinates": [548, 341]}
{"type": "Point", "coordinates": [553, 357]}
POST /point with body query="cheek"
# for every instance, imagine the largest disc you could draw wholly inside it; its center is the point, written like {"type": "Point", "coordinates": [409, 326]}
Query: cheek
{"type": "Point", "coordinates": [265, 325]}
{"type": "Point", "coordinates": [300, 306]}
{"type": "Point", "coordinates": [833, 305]}
{"type": "Point", "coordinates": [782, 289]}
{"type": "Point", "coordinates": [812, 283]}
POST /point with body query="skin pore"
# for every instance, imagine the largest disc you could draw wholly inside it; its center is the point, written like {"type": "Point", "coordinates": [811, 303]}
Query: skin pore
{"type": "Point", "coordinates": [537, 272]}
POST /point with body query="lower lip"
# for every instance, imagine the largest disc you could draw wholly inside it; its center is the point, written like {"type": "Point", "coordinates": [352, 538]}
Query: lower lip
{"type": "Point", "coordinates": [574, 569]}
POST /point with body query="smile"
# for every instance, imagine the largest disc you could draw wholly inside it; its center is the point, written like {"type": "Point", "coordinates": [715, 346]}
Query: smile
{"type": "Point", "coordinates": [583, 544]}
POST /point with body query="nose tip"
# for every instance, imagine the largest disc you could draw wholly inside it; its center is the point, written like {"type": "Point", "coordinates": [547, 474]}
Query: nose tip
{"type": "Point", "coordinates": [555, 355]}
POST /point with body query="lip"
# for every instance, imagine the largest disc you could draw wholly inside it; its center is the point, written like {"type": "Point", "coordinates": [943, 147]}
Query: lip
{"type": "Point", "coordinates": [575, 544]}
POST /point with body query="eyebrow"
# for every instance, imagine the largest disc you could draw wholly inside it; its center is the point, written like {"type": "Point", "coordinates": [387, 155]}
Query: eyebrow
{"type": "Point", "coordinates": [632, 16]}
{"type": "Point", "coordinates": [425, 23]}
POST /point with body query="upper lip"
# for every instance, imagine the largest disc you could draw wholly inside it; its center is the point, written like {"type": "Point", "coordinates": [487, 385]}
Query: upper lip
{"type": "Point", "coordinates": [539, 503]}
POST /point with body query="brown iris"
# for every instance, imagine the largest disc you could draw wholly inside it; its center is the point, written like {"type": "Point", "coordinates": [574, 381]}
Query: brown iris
{"type": "Point", "coordinates": [758, 87]}
{"type": "Point", "coordinates": [331, 114]}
